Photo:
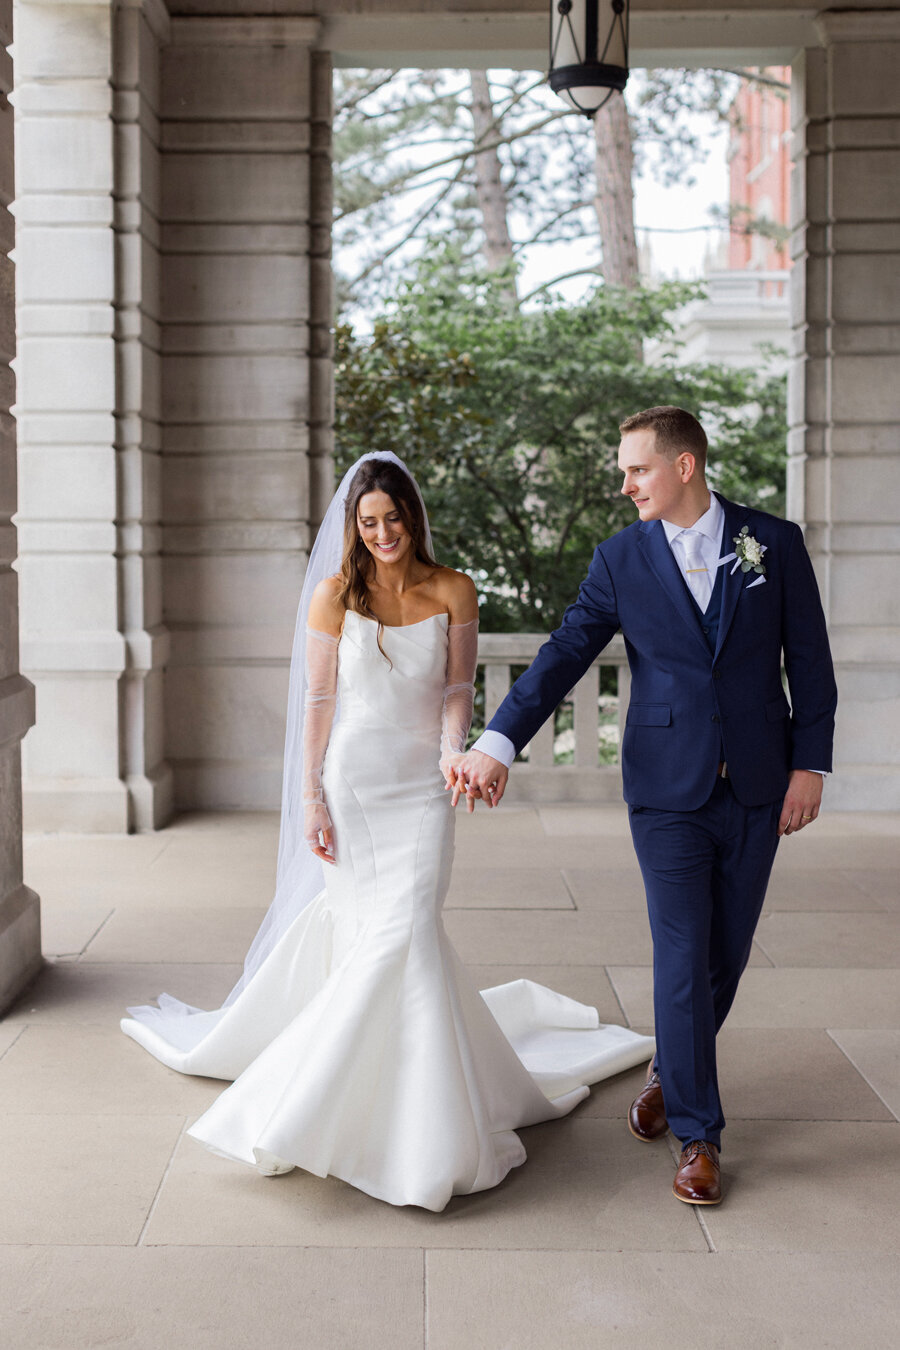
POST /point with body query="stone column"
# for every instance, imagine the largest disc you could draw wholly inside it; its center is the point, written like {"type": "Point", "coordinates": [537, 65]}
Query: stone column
{"type": "Point", "coordinates": [246, 381]}
{"type": "Point", "coordinates": [86, 208]}
{"type": "Point", "coordinates": [20, 924]}
{"type": "Point", "coordinates": [321, 290]}
{"type": "Point", "coordinates": [844, 397]}
{"type": "Point", "coordinates": [140, 28]}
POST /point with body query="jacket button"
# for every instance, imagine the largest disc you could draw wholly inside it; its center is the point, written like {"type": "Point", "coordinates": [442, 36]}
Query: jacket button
{"type": "Point", "coordinates": [717, 674]}
{"type": "Point", "coordinates": [716, 717]}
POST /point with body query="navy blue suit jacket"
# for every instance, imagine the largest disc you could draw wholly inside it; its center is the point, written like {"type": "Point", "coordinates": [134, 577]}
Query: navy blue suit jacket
{"type": "Point", "coordinates": [691, 707]}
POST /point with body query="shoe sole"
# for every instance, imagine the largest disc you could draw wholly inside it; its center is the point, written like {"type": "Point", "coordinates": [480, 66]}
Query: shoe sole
{"type": "Point", "coordinates": [685, 1201]}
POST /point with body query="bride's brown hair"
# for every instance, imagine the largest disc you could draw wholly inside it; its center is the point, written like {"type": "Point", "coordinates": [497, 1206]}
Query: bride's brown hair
{"type": "Point", "coordinates": [357, 564]}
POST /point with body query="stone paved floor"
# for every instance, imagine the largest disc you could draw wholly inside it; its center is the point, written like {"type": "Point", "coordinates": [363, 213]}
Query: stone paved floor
{"type": "Point", "coordinates": [117, 1231]}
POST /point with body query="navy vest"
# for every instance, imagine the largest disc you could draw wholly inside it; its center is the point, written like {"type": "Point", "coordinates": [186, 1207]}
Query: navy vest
{"type": "Point", "coordinates": [709, 618]}
{"type": "Point", "coordinates": [709, 621]}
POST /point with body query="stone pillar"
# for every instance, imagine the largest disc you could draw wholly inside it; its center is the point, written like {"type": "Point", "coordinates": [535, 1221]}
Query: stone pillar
{"type": "Point", "coordinates": [844, 396]}
{"type": "Point", "coordinates": [140, 28]}
{"type": "Point", "coordinates": [321, 290]}
{"type": "Point", "coordinates": [92, 637]}
{"type": "Point", "coordinates": [20, 924]}
{"type": "Point", "coordinates": [246, 386]}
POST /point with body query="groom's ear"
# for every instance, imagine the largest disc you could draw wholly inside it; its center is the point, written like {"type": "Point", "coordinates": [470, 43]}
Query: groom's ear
{"type": "Point", "coordinates": [687, 466]}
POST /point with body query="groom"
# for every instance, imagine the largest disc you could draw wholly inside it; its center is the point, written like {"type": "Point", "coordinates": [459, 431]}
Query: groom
{"type": "Point", "coordinates": [711, 599]}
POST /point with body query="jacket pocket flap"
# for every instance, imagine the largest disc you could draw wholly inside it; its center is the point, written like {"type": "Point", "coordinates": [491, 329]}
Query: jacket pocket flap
{"type": "Point", "coordinates": [778, 708]}
{"type": "Point", "coordinates": [649, 715]}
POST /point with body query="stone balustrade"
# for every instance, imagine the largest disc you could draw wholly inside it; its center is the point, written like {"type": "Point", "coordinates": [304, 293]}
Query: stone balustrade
{"type": "Point", "coordinates": [540, 778]}
{"type": "Point", "coordinates": [746, 287]}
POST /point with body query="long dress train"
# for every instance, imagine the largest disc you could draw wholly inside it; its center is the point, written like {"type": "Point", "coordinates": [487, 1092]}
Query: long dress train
{"type": "Point", "coordinates": [361, 1048]}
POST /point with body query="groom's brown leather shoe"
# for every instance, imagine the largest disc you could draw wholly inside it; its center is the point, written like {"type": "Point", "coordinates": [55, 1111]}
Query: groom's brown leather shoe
{"type": "Point", "coordinates": [647, 1117]}
{"type": "Point", "coordinates": [697, 1181]}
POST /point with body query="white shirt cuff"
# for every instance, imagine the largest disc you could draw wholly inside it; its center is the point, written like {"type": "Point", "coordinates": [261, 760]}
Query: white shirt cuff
{"type": "Point", "coordinates": [498, 746]}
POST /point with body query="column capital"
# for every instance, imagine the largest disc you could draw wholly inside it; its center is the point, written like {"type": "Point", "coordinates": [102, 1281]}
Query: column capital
{"type": "Point", "coordinates": [858, 25]}
{"type": "Point", "coordinates": [292, 30]}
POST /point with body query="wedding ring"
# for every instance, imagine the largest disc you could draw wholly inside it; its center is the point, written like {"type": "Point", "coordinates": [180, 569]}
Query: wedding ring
{"type": "Point", "coordinates": [806, 817]}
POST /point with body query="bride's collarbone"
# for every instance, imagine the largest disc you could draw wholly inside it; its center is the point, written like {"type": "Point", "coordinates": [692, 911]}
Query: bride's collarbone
{"type": "Point", "coordinates": [413, 605]}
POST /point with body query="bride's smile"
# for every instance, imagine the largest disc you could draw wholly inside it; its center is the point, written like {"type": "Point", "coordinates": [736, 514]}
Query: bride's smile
{"type": "Point", "coordinates": [381, 528]}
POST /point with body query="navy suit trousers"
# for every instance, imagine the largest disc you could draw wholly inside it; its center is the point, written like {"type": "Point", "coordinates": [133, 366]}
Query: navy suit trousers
{"type": "Point", "coordinates": [705, 874]}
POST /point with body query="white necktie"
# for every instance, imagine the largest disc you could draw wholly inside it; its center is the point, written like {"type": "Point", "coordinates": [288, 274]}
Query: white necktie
{"type": "Point", "coordinates": [696, 571]}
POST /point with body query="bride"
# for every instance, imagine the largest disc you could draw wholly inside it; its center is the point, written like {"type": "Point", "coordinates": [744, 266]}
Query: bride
{"type": "Point", "coordinates": [358, 1045]}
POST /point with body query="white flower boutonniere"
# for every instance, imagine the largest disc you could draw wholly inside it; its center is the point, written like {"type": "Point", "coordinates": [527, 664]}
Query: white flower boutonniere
{"type": "Point", "coordinates": [749, 552]}
{"type": "Point", "coordinates": [748, 556]}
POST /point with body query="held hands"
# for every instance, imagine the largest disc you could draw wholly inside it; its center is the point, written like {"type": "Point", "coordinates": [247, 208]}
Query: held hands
{"type": "Point", "coordinates": [476, 775]}
{"type": "Point", "coordinates": [801, 801]}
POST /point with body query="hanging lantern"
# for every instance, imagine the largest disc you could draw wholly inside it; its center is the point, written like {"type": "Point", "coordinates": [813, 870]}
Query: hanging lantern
{"type": "Point", "coordinates": [588, 51]}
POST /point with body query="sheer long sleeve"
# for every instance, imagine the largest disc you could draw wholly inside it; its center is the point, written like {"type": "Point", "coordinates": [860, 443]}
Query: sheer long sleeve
{"type": "Point", "coordinates": [321, 696]}
{"type": "Point", "coordinates": [459, 690]}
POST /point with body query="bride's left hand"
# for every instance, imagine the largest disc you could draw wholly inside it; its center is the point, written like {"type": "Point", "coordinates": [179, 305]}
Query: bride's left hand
{"type": "Point", "coordinates": [448, 768]}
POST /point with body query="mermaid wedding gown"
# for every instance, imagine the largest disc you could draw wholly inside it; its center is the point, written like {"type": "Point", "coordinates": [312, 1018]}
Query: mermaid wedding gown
{"type": "Point", "coordinates": [361, 1048]}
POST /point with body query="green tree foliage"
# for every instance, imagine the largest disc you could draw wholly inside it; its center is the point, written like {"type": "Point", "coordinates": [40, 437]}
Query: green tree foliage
{"type": "Point", "coordinates": [510, 421]}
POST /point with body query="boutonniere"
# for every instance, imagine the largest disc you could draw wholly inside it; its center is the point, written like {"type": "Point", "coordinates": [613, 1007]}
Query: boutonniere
{"type": "Point", "coordinates": [749, 552]}
{"type": "Point", "coordinates": [748, 556]}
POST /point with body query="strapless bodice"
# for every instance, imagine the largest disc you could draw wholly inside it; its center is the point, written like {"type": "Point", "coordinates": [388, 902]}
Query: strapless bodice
{"type": "Point", "coordinates": [404, 691]}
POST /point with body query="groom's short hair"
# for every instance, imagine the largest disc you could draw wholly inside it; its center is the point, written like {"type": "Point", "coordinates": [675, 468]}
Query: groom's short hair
{"type": "Point", "coordinates": [676, 431]}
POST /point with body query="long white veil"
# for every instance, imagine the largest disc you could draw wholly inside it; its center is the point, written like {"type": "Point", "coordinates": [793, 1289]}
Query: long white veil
{"type": "Point", "coordinates": [299, 874]}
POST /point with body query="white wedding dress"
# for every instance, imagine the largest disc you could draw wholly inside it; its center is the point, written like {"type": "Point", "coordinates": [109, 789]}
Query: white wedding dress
{"type": "Point", "coordinates": [361, 1048]}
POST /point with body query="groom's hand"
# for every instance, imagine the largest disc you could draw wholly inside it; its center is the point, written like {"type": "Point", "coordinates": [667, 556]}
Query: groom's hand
{"type": "Point", "coordinates": [478, 775]}
{"type": "Point", "coordinates": [801, 802]}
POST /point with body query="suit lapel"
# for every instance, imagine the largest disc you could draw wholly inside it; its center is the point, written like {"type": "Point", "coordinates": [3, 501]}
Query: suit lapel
{"type": "Point", "coordinates": [733, 582]}
{"type": "Point", "coordinates": [652, 538]}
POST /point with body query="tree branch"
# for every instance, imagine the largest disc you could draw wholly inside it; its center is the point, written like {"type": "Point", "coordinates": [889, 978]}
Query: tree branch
{"type": "Point", "coordinates": [420, 219]}
{"type": "Point", "coordinates": [596, 271]}
{"type": "Point", "coordinates": [683, 229]}
{"type": "Point", "coordinates": [753, 77]}
{"type": "Point", "coordinates": [468, 153]}
{"type": "Point", "coordinates": [554, 220]}
{"type": "Point", "coordinates": [354, 100]}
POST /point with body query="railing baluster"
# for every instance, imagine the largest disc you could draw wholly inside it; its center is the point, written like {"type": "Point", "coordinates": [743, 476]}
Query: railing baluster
{"type": "Point", "coordinates": [623, 687]}
{"type": "Point", "coordinates": [539, 779]}
{"type": "Point", "coordinates": [541, 746]}
{"type": "Point", "coordinates": [585, 718]}
{"type": "Point", "coordinates": [496, 687]}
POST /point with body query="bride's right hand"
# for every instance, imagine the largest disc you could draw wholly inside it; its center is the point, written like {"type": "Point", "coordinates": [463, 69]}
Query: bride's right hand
{"type": "Point", "coordinates": [318, 831]}
{"type": "Point", "coordinates": [325, 848]}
